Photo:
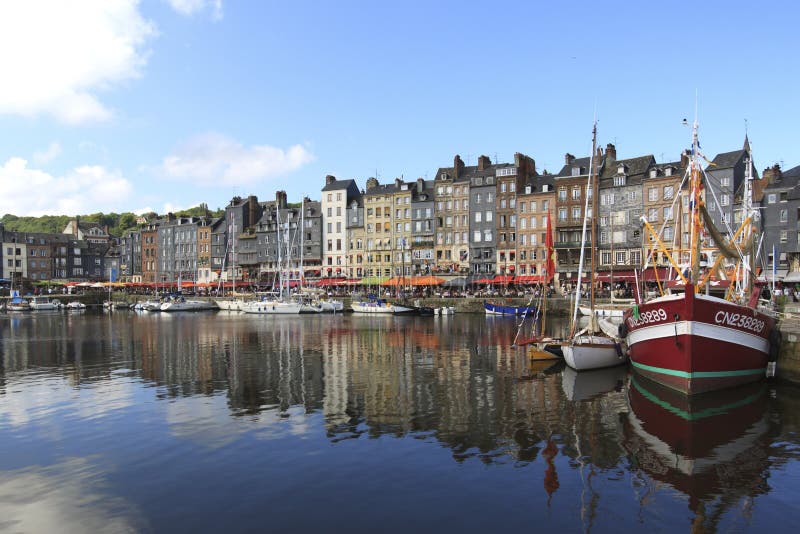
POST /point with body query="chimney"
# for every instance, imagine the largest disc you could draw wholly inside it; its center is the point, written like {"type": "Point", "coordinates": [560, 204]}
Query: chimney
{"type": "Point", "coordinates": [611, 152]}
{"type": "Point", "coordinates": [772, 174]}
{"type": "Point", "coordinates": [372, 183]}
{"type": "Point", "coordinates": [525, 164]}
{"type": "Point", "coordinates": [684, 159]}
{"type": "Point", "coordinates": [398, 182]}
{"type": "Point", "coordinates": [420, 185]}
{"type": "Point", "coordinates": [568, 159]}
{"type": "Point", "coordinates": [329, 179]}
{"type": "Point", "coordinates": [458, 166]}
{"type": "Point", "coordinates": [280, 200]}
{"type": "Point", "coordinates": [75, 226]}
{"type": "Point", "coordinates": [484, 163]}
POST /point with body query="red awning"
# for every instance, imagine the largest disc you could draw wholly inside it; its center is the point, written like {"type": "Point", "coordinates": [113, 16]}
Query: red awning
{"type": "Point", "coordinates": [325, 282]}
{"type": "Point", "coordinates": [503, 279]}
{"type": "Point", "coordinates": [529, 279]}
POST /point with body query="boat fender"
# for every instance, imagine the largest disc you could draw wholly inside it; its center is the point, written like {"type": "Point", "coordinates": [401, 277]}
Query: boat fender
{"type": "Point", "coordinates": [774, 344]}
{"type": "Point", "coordinates": [622, 330]}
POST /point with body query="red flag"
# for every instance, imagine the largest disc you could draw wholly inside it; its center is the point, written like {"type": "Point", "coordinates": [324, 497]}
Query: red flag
{"type": "Point", "coordinates": [550, 266]}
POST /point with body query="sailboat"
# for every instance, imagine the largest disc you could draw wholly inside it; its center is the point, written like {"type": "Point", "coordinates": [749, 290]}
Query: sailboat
{"type": "Point", "coordinates": [231, 302]}
{"type": "Point", "coordinates": [616, 308]}
{"type": "Point", "coordinates": [280, 304]}
{"type": "Point", "coordinates": [696, 342]}
{"type": "Point", "coordinates": [541, 347]}
{"type": "Point", "coordinates": [590, 348]}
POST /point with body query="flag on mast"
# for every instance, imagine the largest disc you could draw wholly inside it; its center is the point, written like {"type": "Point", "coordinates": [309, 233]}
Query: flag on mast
{"type": "Point", "coordinates": [550, 266]}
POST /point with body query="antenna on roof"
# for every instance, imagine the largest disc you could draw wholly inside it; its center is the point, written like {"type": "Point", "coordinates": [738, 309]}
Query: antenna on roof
{"type": "Point", "coordinates": [495, 158]}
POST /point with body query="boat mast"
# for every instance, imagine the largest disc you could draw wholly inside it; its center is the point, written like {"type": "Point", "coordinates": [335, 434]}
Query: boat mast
{"type": "Point", "coordinates": [302, 240]}
{"type": "Point", "coordinates": [694, 184]}
{"type": "Point", "coordinates": [583, 233]}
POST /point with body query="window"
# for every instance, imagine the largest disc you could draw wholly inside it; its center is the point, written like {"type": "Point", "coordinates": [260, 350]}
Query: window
{"type": "Point", "coordinates": [652, 214]}
{"type": "Point", "coordinates": [620, 257]}
{"type": "Point", "coordinates": [478, 216]}
{"type": "Point", "coordinates": [576, 212]}
{"type": "Point", "coordinates": [619, 181]}
{"type": "Point", "coordinates": [503, 188]}
{"type": "Point", "coordinates": [606, 199]}
{"type": "Point", "coordinates": [724, 200]}
{"type": "Point", "coordinates": [476, 236]}
{"type": "Point", "coordinates": [652, 194]}
{"type": "Point", "coordinates": [562, 193]}
{"type": "Point", "coordinates": [487, 234]}
{"type": "Point", "coordinates": [605, 258]}
{"type": "Point", "coordinates": [772, 198]}
{"type": "Point", "coordinates": [668, 192]}
{"type": "Point", "coordinates": [668, 213]}
{"type": "Point", "coordinates": [784, 236]}
{"type": "Point", "coordinates": [562, 214]}
{"type": "Point", "coordinates": [478, 198]}
{"type": "Point", "coordinates": [576, 193]}
{"type": "Point", "coordinates": [784, 216]}
{"type": "Point", "coordinates": [668, 234]}
{"type": "Point", "coordinates": [725, 181]}
{"type": "Point", "coordinates": [488, 216]}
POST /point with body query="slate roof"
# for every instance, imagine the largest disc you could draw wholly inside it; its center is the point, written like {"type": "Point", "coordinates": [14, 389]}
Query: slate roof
{"type": "Point", "coordinates": [635, 168]}
{"type": "Point", "coordinates": [338, 185]}
{"type": "Point", "coordinates": [727, 160]}
{"type": "Point", "coordinates": [566, 170]}
{"type": "Point", "coordinates": [382, 189]}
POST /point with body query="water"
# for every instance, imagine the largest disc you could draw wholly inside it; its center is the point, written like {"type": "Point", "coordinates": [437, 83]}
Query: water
{"type": "Point", "coordinates": [223, 422]}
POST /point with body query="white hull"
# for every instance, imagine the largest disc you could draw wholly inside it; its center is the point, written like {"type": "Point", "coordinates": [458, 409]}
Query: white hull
{"type": "Point", "coordinates": [378, 308]}
{"type": "Point", "coordinates": [332, 306]}
{"type": "Point", "coordinates": [603, 311]}
{"type": "Point", "coordinates": [272, 308]}
{"type": "Point", "coordinates": [43, 304]}
{"type": "Point", "coordinates": [230, 304]}
{"type": "Point", "coordinates": [446, 310]}
{"type": "Point", "coordinates": [188, 305]}
{"type": "Point", "coordinates": [310, 307]}
{"type": "Point", "coordinates": [75, 306]}
{"type": "Point", "coordinates": [593, 352]}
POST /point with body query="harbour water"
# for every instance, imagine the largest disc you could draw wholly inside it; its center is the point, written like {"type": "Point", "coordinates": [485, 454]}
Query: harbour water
{"type": "Point", "coordinates": [215, 422]}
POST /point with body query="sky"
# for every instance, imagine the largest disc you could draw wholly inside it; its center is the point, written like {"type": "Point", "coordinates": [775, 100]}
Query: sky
{"type": "Point", "coordinates": [160, 105]}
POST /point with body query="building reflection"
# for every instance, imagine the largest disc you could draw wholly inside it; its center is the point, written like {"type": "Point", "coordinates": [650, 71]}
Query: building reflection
{"type": "Point", "coordinates": [456, 381]}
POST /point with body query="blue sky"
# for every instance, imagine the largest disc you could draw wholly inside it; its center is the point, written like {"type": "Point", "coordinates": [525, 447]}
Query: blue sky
{"type": "Point", "coordinates": [117, 105]}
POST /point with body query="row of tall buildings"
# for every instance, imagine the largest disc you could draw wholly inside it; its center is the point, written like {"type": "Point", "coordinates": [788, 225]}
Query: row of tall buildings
{"type": "Point", "coordinates": [486, 220]}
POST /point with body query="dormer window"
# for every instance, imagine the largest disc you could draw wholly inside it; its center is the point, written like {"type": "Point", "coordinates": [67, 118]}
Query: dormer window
{"type": "Point", "coordinates": [576, 171]}
{"type": "Point", "coordinates": [619, 180]}
{"type": "Point", "coordinates": [528, 189]}
{"type": "Point", "coordinates": [668, 171]}
{"type": "Point", "coordinates": [621, 168]}
{"type": "Point", "coordinates": [653, 173]}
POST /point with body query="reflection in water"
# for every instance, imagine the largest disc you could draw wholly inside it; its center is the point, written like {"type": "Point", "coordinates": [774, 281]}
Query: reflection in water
{"type": "Point", "coordinates": [309, 403]}
{"type": "Point", "coordinates": [711, 447]}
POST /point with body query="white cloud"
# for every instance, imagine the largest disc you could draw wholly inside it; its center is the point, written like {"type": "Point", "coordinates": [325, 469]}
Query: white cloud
{"type": "Point", "coordinates": [84, 189]}
{"type": "Point", "coordinates": [40, 157]}
{"type": "Point", "coordinates": [191, 7]}
{"type": "Point", "coordinates": [214, 160]}
{"type": "Point", "coordinates": [55, 55]}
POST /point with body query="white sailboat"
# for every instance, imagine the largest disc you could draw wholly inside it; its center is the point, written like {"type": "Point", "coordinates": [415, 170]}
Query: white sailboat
{"type": "Point", "coordinates": [231, 302]}
{"type": "Point", "coordinates": [590, 348]}
{"type": "Point", "coordinates": [281, 304]}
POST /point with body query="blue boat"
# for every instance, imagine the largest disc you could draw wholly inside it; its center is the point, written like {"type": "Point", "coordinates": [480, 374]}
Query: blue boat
{"type": "Point", "coordinates": [505, 309]}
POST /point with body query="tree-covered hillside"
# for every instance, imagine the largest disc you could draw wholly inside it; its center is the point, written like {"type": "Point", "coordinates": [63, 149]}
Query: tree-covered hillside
{"type": "Point", "coordinates": [118, 223]}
